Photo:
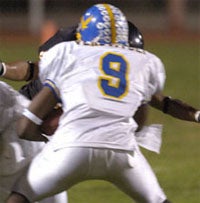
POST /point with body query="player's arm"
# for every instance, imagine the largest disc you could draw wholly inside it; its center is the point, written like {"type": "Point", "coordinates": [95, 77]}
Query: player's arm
{"type": "Point", "coordinates": [19, 71]}
{"type": "Point", "coordinates": [29, 124]}
{"type": "Point", "coordinates": [175, 108]}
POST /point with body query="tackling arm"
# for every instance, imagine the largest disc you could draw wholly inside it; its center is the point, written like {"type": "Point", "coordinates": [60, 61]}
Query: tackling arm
{"type": "Point", "coordinates": [26, 70]}
{"type": "Point", "coordinates": [175, 108]}
{"type": "Point", "coordinates": [19, 71]}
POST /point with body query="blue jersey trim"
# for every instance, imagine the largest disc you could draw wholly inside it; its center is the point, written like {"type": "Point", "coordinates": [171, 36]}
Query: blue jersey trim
{"type": "Point", "coordinates": [51, 85]}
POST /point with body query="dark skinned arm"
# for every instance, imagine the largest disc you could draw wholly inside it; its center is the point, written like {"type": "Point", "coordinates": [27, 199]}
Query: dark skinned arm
{"type": "Point", "coordinates": [174, 107]}
{"type": "Point", "coordinates": [21, 71]}
{"type": "Point", "coordinates": [41, 106]}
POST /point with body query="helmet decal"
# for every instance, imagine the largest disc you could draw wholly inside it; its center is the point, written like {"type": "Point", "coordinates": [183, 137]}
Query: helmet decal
{"type": "Point", "coordinates": [84, 23]}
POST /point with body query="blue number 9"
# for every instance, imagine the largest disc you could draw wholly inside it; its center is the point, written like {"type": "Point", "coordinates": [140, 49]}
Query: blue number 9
{"type": "Point", "coordinates": [114, 79]}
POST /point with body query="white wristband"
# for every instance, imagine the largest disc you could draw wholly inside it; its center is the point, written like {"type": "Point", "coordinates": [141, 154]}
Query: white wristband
{"type": "Point", "coordinates": [197, 116]}
{"type": "Point", "coordinates": [32, 117]}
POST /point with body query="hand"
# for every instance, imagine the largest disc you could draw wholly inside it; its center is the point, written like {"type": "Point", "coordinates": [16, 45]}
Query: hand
{"type": "Point", "coordinates": [50, 123]}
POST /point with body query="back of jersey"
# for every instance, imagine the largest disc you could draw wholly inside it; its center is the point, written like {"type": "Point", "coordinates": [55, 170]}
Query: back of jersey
{"type": "Point", "coordinates": [112, 80]}
{"type": "Point", "coordinates": [101, 88]}
{"type": "Point", "coordinates": [118, 81]}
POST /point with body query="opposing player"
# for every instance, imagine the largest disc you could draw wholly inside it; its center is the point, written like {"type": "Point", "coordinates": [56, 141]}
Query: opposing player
{"type": "Point", "coordinates": [12, 165]}
{"type": "Point", "coordinates": [15, 153]}
{"type": "Point", "coordinates": [101, 87]}
{"type": "Point", "coordinates": [28, 70]}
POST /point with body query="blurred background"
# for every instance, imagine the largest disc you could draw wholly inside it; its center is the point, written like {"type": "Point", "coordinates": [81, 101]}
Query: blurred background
{"type": "Point", "coordinates": [165, 16]}
{"type": "Point", "coordinates": [171, 30]}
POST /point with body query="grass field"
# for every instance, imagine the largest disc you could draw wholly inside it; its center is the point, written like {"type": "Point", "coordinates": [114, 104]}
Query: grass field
{"type": "Point", "coordinates": [177, 167]}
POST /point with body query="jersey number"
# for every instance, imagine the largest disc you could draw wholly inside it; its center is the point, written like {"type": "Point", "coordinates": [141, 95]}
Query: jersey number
{"type": "Point", "coordinates": [114, 79]}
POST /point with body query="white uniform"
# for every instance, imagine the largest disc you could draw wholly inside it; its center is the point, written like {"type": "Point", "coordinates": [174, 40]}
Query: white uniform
{"type": "Point", "coordinates": [15, 154]}
{"type": "Point", "coordinates": [101, 87]}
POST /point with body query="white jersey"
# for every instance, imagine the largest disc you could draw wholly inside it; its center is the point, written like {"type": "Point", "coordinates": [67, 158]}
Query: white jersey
{"type": "Point", "coordinates": [15, 153]}
{"type": "Point", "coordinates": [101, 88]}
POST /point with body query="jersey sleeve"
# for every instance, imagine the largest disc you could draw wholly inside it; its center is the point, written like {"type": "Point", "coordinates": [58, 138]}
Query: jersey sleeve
{"type": "Point", "coordinates": [50, 73]}
{"type": "Point", "coordinates": [157, 75]}
{"type": "Point", "coordinates": [48, 64]}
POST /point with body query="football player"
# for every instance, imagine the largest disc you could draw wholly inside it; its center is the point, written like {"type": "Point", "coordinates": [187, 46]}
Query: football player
{"type": "Point", "coordinates": [101, 87]}
{"type": "Point", "coordinates": [173, 107]}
